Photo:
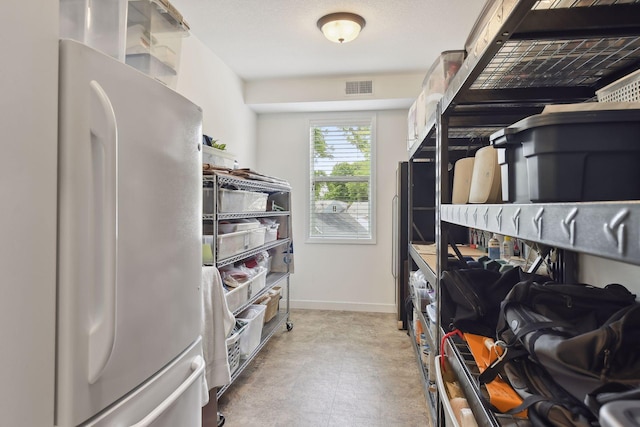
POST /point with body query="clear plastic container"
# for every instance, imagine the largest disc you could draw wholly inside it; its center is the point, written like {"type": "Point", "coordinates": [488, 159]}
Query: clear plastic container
{"type": "Point", "coordinates": [241, 201]}
{"type": "Point", "coordinates": [155, 30]}
{"type": "Point", "coordinates": [444, 68]}
{"type": "Point", "coordinates": [234, 243]}
{"type": "Point", "coordinates": [98, 24]}
{"type": "Point", "coordinates": [435, 83]}
{"type": "Point", "coordinates": [217, 157]}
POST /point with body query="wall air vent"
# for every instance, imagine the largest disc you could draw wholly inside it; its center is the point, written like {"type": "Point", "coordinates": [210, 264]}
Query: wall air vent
{"type": "Point", "coordinates": [363, 87]}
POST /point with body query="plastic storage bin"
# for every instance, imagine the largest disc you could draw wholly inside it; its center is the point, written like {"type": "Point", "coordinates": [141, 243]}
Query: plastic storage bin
{"type": "Point", "coordinates": [412, 125]}
{"type": "Point", "coordinates": [99, 24]}
{"type": "Point", "coordinates": [154, 38]}
{"type": "Point", "coordinates": [208, 198]}
{"type": "Point", "coordinates": [258, 281]}
{"type": "Point", "coordinates": [436, 83]}
{"type": "Point", "coordinates": [461, 409]}
{"type": "Point", "coordinates": [238, 296]}
{"type": "Point", "coordinates": [571, 156]}
{"type": "Point", "coordinates": [271, 233]}
{"type": "Point", "coordinates": [217, 157]}
{"type": "Point", "coordinates": [241, 201]}
{"type": "Point", "coordinates": [250, 340]}
{"type": "Point", "coordinates": [489, 22]}
{"type": "Point", "coordinates": [238, 225]}
{"type": "Point", "coordinates": [234, 243]}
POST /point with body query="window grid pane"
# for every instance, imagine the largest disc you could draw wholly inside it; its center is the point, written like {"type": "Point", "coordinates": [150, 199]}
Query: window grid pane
{"type": "Point", "coordinates": [340, 193]}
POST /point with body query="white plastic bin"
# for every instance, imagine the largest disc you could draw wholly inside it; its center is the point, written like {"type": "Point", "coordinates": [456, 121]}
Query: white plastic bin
{"type": "Point", "coordinates": [241, 201]}
{"type": "Point", "coordinates": [217, 157]}
{"type": "Point", "coordinates": [99, 24]}
{"type": "Point", "coordinates": [238, 296]}
{"type": "Point", "coordinates": [271, 234]}
{"type": "Point", "coordinates": [208, 199]}
{"type": "Point", "coordinates": [234, 243]}
{"type": "Point", "coordinates": [258, 281]}
{"type": "Point", "coordinates": [238, 225]}
{"type": "Point", "coordinates": [155, 30]}
{"type": "Point", "coordinates": [254, 317]}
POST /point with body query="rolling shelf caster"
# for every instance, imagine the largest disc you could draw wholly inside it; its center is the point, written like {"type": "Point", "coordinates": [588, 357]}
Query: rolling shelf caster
{"type": "Point", "coordinates": [221, 420]}
{"type": "Point", "coordinates": [289, 326]}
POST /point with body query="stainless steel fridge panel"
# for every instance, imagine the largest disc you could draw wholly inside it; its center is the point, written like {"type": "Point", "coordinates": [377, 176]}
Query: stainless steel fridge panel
{"type": "Point", "coordinates": [129, 232]}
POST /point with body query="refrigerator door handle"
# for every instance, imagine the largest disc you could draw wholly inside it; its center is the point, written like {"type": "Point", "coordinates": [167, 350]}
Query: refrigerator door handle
{"type": "Point", "coordinates": [104, 134]}
{"type": "Point", "coordinates": [198, 366]}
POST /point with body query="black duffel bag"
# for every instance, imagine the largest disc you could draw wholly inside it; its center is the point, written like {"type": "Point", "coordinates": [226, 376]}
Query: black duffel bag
{"type": "Point", "coordinates": [583, 337]}
{"type": "Point", "coordinates": [470, 299]}
{"type": "Point", "coordinates": [562, 343]}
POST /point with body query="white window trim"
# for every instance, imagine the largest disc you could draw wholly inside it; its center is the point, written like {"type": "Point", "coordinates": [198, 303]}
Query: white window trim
{"type": "Point", "coordinates": [332, 121]}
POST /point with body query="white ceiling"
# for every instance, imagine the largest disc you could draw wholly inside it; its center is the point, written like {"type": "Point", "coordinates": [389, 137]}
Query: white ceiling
{"type": "Point", "coordinates": [264, 39]}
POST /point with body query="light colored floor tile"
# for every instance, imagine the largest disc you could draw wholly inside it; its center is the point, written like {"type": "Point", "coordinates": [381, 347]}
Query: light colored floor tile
{"type": "Point", "coordinates": [334, 368]}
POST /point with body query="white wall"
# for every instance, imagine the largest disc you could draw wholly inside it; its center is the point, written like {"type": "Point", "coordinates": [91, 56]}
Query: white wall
{"type": "Point", "coordinates": [208, 82]}
{"type": "Point", "coordinates": [28, 180]}
{"type": "Point", "coordinates": [390, 91]}
{"type": "Point", "coordinates": [600, 272]}
{"type": "Point", "coordinates": [329, 276]}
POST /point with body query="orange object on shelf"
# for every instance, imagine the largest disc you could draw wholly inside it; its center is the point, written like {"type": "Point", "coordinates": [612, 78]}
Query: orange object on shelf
{"type": "Point", "coordinates": [501, 394]}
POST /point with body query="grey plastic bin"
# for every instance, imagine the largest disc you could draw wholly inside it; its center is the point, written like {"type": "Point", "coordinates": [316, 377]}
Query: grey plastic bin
{"type": "Point", "coordinates": [571, 156]}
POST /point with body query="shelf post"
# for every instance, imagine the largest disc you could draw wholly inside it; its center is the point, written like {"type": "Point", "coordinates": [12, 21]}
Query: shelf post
{"type": "Point", "coordinates": [442, 196]}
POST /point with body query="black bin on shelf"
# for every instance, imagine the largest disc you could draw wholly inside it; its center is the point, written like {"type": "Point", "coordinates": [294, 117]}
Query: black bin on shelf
{"type": "Point", "coordinates": [571, 156]}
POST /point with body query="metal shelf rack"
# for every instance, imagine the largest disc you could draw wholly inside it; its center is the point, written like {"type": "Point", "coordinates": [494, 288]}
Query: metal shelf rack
{"type": "Point", "coordinates": [530, 53]}
{"type": "Point", "coordinates": [281, 319]}
{"type": "Point", "coordinates": [429, 387]}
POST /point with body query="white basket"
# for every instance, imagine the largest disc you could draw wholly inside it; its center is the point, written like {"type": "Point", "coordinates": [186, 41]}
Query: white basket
{"type": "Point", "coordinates": [250, 339]}
{"type": "Point", "coordinates": [233, 348]}
{"type": "Point", "coordinates": [627, 89]}
{"type": "Point", "coordinates": [241, 201]}
{"type": "Point", "coordinates": [234, 243]}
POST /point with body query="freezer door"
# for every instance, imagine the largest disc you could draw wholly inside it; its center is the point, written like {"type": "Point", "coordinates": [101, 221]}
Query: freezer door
{"type": "Point", "coordinates": [129, 230]}
{"type": "Point", "coordinates": [172, 397]}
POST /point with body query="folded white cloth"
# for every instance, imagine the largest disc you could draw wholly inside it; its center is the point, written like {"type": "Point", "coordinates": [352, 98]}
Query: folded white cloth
{"type": "Point", "coordinates": [217, 323]}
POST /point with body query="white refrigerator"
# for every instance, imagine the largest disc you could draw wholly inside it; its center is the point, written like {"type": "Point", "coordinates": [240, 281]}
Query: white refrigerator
{"type": "Point", "coordinates": [128, 350]}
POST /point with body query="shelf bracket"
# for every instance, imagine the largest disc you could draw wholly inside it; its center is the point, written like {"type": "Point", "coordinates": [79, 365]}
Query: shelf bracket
{"type": "Point", "coordinates": [537, 222]}
{"type": "Point", "coordinates": [616, 230]}
{"type": "Point", "coordinates": [516, 220]}
{"type": "Point", "coordinates": [569, 225]}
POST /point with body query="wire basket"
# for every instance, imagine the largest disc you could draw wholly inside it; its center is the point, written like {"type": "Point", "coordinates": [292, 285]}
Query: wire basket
{"type": "Point", "coordinates": [233, 345]}
{"type": "Point", "coordinates": [627, 89]}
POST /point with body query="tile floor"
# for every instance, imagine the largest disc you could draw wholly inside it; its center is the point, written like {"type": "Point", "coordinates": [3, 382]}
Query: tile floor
{"type": "Point", "coordinates": [333, 369]}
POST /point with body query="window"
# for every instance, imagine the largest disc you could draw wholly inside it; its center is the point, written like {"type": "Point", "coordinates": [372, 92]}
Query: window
{"type": "Point", "coordinates": [341, 191]}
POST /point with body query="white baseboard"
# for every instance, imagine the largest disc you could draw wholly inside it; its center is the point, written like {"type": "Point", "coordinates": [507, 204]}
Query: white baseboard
{"type": "Point", "coordinates": [343, 306]}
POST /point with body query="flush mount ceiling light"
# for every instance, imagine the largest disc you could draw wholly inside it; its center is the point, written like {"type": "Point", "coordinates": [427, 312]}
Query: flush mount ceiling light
{"type": "Point", "coordinates": [341, 27]}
